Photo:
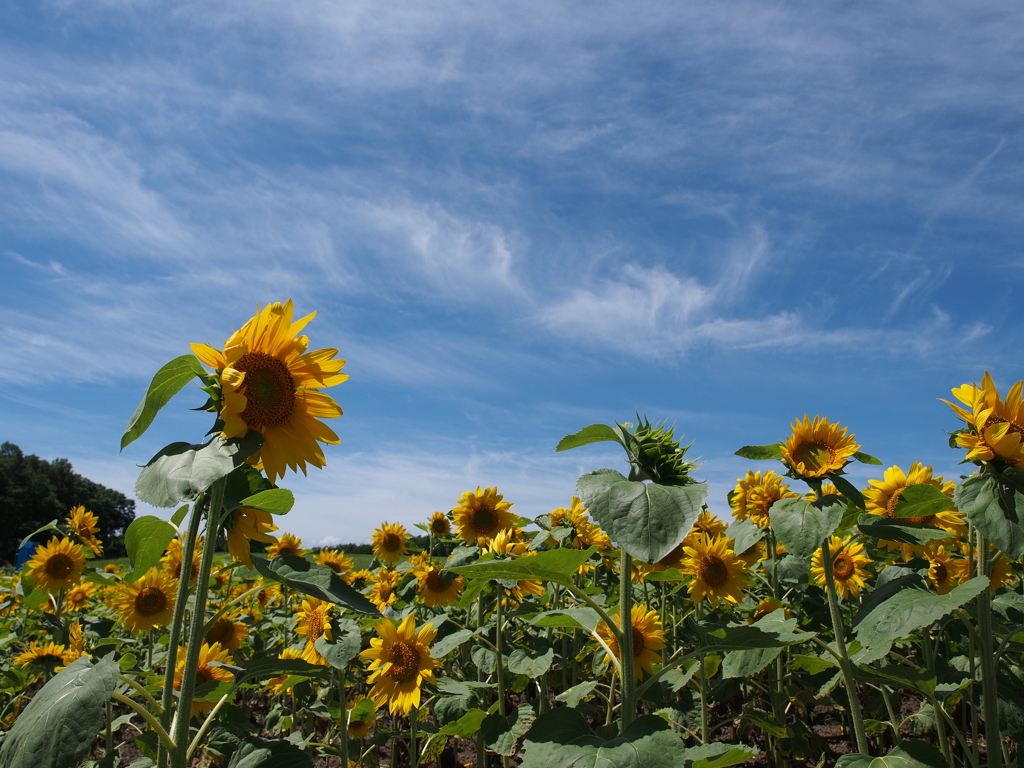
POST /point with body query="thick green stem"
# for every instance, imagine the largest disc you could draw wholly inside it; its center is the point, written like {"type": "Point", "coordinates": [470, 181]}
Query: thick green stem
{"type": "Point", "coordinates": [844, 657]}
{"type": "Point", "coordinates": [343, 706]}
{"type": "Point", "coordinates": [195, 635]}
{"type": "Point", "coordinates": [481, 755]}
{"type": "Point", "coordinates": [705, 729]}
{"type": "Point", "coordinates": [499, 660]}
{"type": "Point", "coordinates": [188, 549]}
{"type": "Point", "coordinates": [989, 683]}
{"type": "Point", "coordinates": [628, 713]}
{"type": "Point", "coordinates": [414, 755]}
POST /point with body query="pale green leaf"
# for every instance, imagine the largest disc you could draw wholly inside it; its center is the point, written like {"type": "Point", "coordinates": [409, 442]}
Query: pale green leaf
{"type": "Point", "coordinates": [167, 382]}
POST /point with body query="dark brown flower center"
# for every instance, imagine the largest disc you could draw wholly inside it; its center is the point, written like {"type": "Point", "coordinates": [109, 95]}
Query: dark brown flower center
{"type": "Point", "coordinates": [638, 642]}
{"type": "Point", "coordinates": [391, 542]}
{"type": "Point", "coordinates": [712, 570]}
{"type": "Point", "coordinates": [814, 456]}
{"type": "Point", "coordinates": [483, 520]}
{"type": "Point", "coordinates": [315, 624]}
{"type": "Point", "coordinates": [405, 662]}
{"type": "Point", "coordinates": [940, 573]}
{"type": "Point", "coordinates": [59, 566]}
{"type": "Point", "coordinates": [843, 567]}
{"type": "Point", "coordinates": [223, 632]}
{"type": "Point", "coordinates": [434, 582]}
{"type": "Point", "coordinates": [150, 601]}
{"type": "Point", "coordinates": [204, 674]}
{"type": "Point", "coordinates": [439, 526]}
{"type": "Point", "coordinates": [269, 390]}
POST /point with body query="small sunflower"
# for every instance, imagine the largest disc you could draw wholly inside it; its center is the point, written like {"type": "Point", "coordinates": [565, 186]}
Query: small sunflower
{"type": "Point", "coordinates": [48, 656]}
{"type": "Point", "coordinates": [995, 426]}
{"type": "Point", "coordinates": [314, 621]}
{"type": "Point", "coordinates": [848, 561]}
{"type": "Point", "coordinates": [389, 542]}
{"type": "Point", "coordinates": [77, 598]}
{"type": "Point", "coordinates": [277, 684]}
{"type": "Point", "coordinates": [205, 672]}
{"type": "Point", "coordinates": [766, 607]}
{"type": "Point", "coordinates": [76, 643]}
{"type": "Point", "coordinates": [383, 594]}
{"type": "Point", "coordinates": [357, 729]}
{"type": "Point", "coordinates": [286, 545]}
{"type": "Point", "coordinates": [944, 573]}
{"type": "Point", "coordinates": [84, 526]}
{"type": "Point", "coordinates": [509, 543]}
{"type": "Point", "coordinates": [173, 557]}
{"type": "Point", "coordinates": [400, 662]}
{"type": "Point", "coordinates": [110, 568]}
{"type": "Point", "coordinates": [359, 579]}
{"type": "Point", "coordinates": [717, 573]}
{"type": "Point", "coordinates": [648, 639]}
{"type": "Point", "coordinates": [57, 564]}
{"type": "Point", "coordinates": [816, 448]}
{"type": "Point", "coordinates": [439, 524]}
{"type": "Point", "coordinates": [754, 495]}
{"type": "Point", "coordinates": [1001, 571]}
{"type": "Point", "coordinates": [480, 516]}
{"type": "Point", "coordinates": [335, 560]}
{"type": "Point", "coordinates": [244, 525]}
{"type": "Point", "coordinates": [271, 384]}
{"type": "Point", "coordinates": [708, 524]}
{"type": "Point", "coordinates": [881, 499]}
{"type": "Point", "coordinates": [227, 632]}
{"type": "Point", "coordinates": [432, 588]}
{"type": "Point", "coordinates": [148, 603]}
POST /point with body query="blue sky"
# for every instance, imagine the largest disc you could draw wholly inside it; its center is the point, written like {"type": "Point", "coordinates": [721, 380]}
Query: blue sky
{"type": "Point", "coordinates": [514, 219]}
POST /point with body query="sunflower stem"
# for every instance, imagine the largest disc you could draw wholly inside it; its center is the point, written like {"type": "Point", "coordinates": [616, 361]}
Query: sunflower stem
{"type": "Point", "coordinates": [989, 690]}
{"type": "Point", "coordinates": [343, 718]}
{"type": "Point", "coordinates": [481, 756]}
{"type": "Point", "coordinates": [628, 712]}
{"type": "Point", "coordinates": [414, 755]}
{"type": "Point", "coordinates": [195, 639]}
{"type": "Point", "coordinates": [187, 551]}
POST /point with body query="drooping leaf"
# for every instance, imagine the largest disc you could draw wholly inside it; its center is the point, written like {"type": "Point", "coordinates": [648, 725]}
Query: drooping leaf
{"type": "Point", "coordinates": [645, 519]}
{"type": "Point", "coordinates": [561, 737]}
{"type": "Point", "coordinates": [898, 676]}
{"type": "Point", "coordinates": [866, 458]}
{"type": "Point", "coordinates": [909, 610]}
{"type": "Point", "coordinates": [312, 579]}
{"type": "Point", "coordinates": [180, 472]}
{"type": "Point", "coordinates": [761, 452]}
{"type": "Point", "coordinates": [745, 534]}
{"type": "Point", "coordinates": [568, 618]}
{"type": "Point", "coordinates": [60, 723]}
{"type": "Point", "coordinates": [276, 501]}
{"type": "Point", "coordinates": [466, 726]}
{"type": "Point", "coordinates": [146, 540]}
{"type": "Point", "coordinates": [595, 433]}
{"type": "Point", "coordinates": [848, 489]}
{"type": "Point", "coordinates": [921, 500]}
{"type": "Point", "coordinates": [885, 591]}
{"type": "Point", "coordinates": [749, 662]}
{"type": "Point", "coordinates": [996, 515]}
{"type": "Point", "coordinates": [910, 754]}
{"type": "Point", "coordinates": [900, 531]}
{"type": "Point", "coordinates": [167, 382]}
{"type": "Point", "coordinates": [269, 753]}
{"type": "Point", "coordinates": [501, 734]}
{"type": "Point", "coordinates": [802, 526]}
{"type": "Point", "coordinates": [556, 565]}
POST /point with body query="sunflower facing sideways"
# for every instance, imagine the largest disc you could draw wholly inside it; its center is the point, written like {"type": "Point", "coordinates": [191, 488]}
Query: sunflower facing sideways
{"type": "Point", "coordinates": [245, 524]}
{"type": "Point", "coordinates": [816, 448]}
{"type": "Point", "coordinates": [84, 526]}
{"type": "Point", "coordinates": [848, 571]}
{"type": "Point", "coordinates": [995, 427]}
{"type": "Point", "coordinates": [174, 556]}
{"type": "Point", "coordinates": [717, 573]}
{"type": "Point", "coordinates": [47, 656]}
{"type": "Point", "coordinates": [648, 639]}
{"type": "Point", "coordinates": [944, 572]}
{"type": "Point", "coordinates": [270, 383]}
{"type": "Point", "coordinates": [433, 589]}
{"type": "Point", "coordinates": [389, 542]}
{"type": "Point", "coordinates": [148, 603]}
{"type": "Point", "coordinates": [335, 560]}
{"type": "Point", "coordinates": [227, 632]}
{"type": "Point", "coordinates": [400, 662]}
{"type": "Point", "coordinates": [481, 515]}
{"type": "Point", "coordinates": [288, 544]}
{"type": "Point", "coordinates": [57, 565]}
{"type": "Point", "coordinates": [754, 495]}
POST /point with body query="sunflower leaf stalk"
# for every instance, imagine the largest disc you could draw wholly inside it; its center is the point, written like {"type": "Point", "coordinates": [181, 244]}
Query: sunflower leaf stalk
{"type": "Point", "coordinates": [628, 713]}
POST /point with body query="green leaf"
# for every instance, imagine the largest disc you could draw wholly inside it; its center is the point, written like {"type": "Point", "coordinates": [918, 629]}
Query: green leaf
{"type": "Point", "coordinates": [744, 534]}
{"type": "Point", "coordinates": [898, 676]}
{"type": "Point", "coordinates": [996, 516]}
{"type": "Point", "coordinates": [167, 382]}
{"type": "Point", "coordinates": [58, 727]}
{"type": "Point", "coordinates": [761, 452]}
{"type": "Point", "coordinates": [266, 665]}
{"type": "Point", "coordinates": [146, 540]}
{"type": "Point", "coordinates": [847, 489]}
{"type": "Point", "coordinates": [276, 501]}
{"type": "Point", "coordinates": [561, 737]}
{"type": "Point", "coordinates": [866, 458]}
{"type": "Point", "coordinates": [771, 631]}
{"type": "Point", "coordinates": [447, 644]}
{"type": "Point", "coordinates": [269, 753]}
{"type": "Point", "coordinates": [345, 646]}
{"type": "Point", "coordinates": [522, 662]}
{"type": "Point", "coordinates": [312, 579]}
{"type": "Point", "coordinates": [466, 726]}
{"type": "Point", "coordinates": [244, 482]}
{"type": "Point", "coordinates": [645, 519]}
{"type": "Point", "coordinates": [554, 565]}
{"type": "Point", "coordinates": [577, 693]}
{"type": "Point", "coordinates": [912, 609]}
{"type": "Point", "coordinates": [501, 734]}
{"type": "Point", "coordinates": [179, 514]}
{"type": "Point", "coordinates": [180, 472]}
{"type": "Point", "coordinates": [900, 531]}
{"type": "Point", "coordinates": [595, 433]}
{"type": "Point", "coordinates": [749, 662]}
{"type": "Point", "coordinates": [812, 664]}
{"type": "Point", "coordinates": [921, 500]}
{"type": "Point", "coordinates": [568, 618]}
{"type": "Point", "coordinates": [718, 755]}
{"type": "Point", "coordinates": [910, 754]}
{"type": "Point", "coordinates": [883, 592]}
{"type": "Point", "coordinates": [803, 526]}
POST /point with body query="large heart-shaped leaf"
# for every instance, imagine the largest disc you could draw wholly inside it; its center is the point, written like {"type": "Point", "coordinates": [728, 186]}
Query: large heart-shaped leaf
{"type": "Point", "coordinates": [803, 526]}
{"type": "Point", "coordinates": [645, 519]}
{"type": "Point", "coordinates": [312, 579]}
{"type": "Point", "coordinates": [58, 727]}
{"type": "Point", "coordinates": [501, 734]}
{"type": "Point", "coordinates": [996, 516]}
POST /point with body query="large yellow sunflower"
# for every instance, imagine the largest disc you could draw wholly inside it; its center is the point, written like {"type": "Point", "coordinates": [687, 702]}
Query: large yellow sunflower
{"type": "Point", "coordinates": [439, 524]}
{"type": "Point", "coordinates": [389, 542]}
{"type": "Point", "coordinates": [205, 672]}
{"type": "Point", "coordinates": [57, 564]}
{"type": "Point", "coordinates": [648, 639]}
{"type": "Point", "coordinates": [335, 560]}
{"type": "Point", "coordinates": [1000, 569]}
{"type": "Point", "coordinates": [173, 557]}
{"type": "Point", "coordinates": [76, 643]}
{"type": "Point", "coordinates": [148, 603]}
{"type": "Point", "coordinates": [848, 561]}
{"type": "Point", "coordinates": [882, 496]}
{"type": "Point", "coordinates": [314, 621]}
{"type": "Point", "coordinates": [400, 662]}
{"type": "Point", "coordinates": [432, 588]}
{"type": "Point", "coordinates": [245, 524]}
{"type": "Point", "coordinates": [996, 427]}
{"type": "Point", "coordinates": [717, 573]}
{"type": "Point", "coordinates": [85, 525]}
{"type": "Point", "coordinates": [271, 384]}
{"type": "Point", "coordinates": [754, 495]}
{"type": "Point", "coordinates": [482, 515]}
{"type": "Point", "coordinates": [816, 448]}
{"type": "Point", "coordinates": [288, 544]}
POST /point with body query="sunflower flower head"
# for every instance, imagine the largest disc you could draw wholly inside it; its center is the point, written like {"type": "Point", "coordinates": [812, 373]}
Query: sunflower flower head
{"type": "Point", "coordinates": [314, 622]}
{"type": "Point", "coordinates": [817, 448]}
{"type": "Point", "coordinates": [288, 544]}
{"type": "Point", "coordinates": [654, 454]}
{"type": "Point", "coordinates": [439, 525]}
{"type": "Point", "coordinates": [85, 526]}
{"type": "Point", "coordinates": [480, 516]}
{"type": "Point", "coordinates": [436, 588]}
{"type": "Point", "coordinates": [994, 427]}
{"type": "Point", "coordinates": [357, 729]}
{"type": "Point", "coordinates": [267, 381]}
{"type": "Point", "coordinates": [383, 593]}
{"type": "Point", "coordinates": [717, 573]}
{"type": "Point", "coordinates": [48, 656]}
{"type": "Point", "coordinates": [205, 672]}
{"type": "Point", "coordinates": [77, 598]}
{"type": "Point", "coordinates": [848, 571]}
{"type": "Point", "coordinates": [648, 640]}
{"type": "Point", "coordinates": [148, 603]}
{"type": "Point", "coordinates": [400, 662]}
{"type": "Point", "coordinates": [244, 525]}
{"type": "Point", "coordinates": [227, 632]}
{"type": "Point", "coordinates": [57, 564]}
{"type": "Point", "coordinates": [943, 571]}
{"type": "Point", "coordinates": [335, 560]}
{"type": "Point", "coordinates": [174, 557]}
{"type": "Point", "coordinates": [754, 495]}
{"type": "Point", "coordinates": [389, 542]}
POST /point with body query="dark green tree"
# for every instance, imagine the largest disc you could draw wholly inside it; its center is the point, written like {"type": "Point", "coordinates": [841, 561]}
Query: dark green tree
{"type": "Point", "coordinates": [34, 491]}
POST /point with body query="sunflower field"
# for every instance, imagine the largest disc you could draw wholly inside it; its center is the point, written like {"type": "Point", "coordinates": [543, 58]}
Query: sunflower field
{"type": "Point", "coordinates": [802, 621]}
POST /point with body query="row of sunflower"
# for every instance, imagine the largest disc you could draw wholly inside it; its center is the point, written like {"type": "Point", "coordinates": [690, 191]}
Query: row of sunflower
{"type": "Point", "coordinates": [893, 610]}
